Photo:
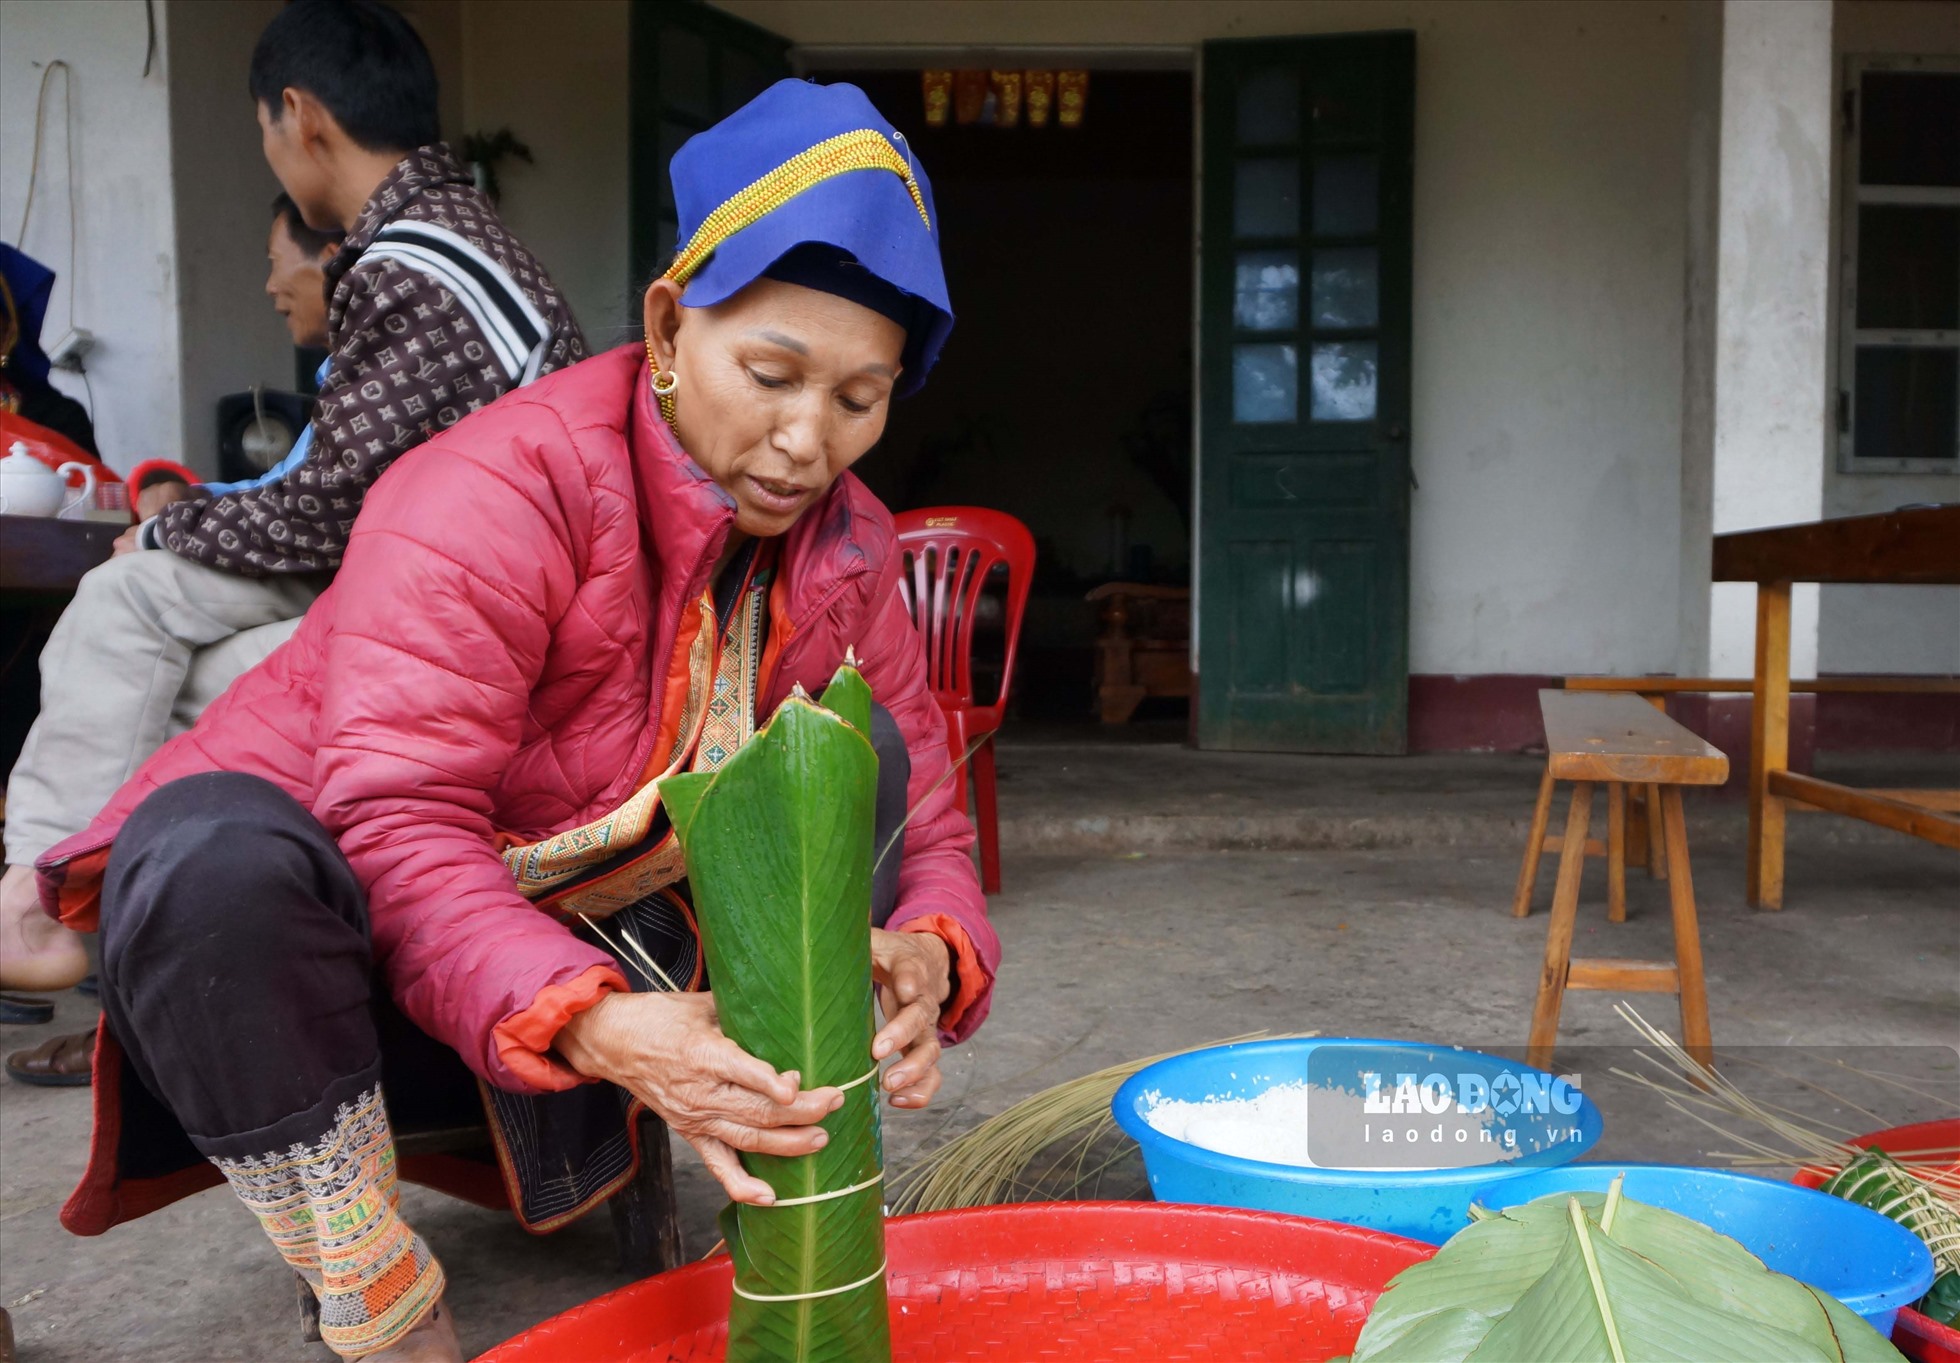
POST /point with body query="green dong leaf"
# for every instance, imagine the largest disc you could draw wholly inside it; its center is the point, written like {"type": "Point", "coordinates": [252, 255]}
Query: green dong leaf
{"type": "Point", "coordinates": [1541, 1281]}
{"type": "Point", "coordinates": [778, 847]}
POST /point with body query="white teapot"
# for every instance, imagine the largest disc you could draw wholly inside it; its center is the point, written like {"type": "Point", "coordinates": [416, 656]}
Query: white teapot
{"type": "Point", "coordinates": [30, 488]}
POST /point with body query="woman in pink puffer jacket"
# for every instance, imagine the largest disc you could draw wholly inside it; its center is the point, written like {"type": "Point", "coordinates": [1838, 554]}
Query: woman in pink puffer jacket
{"type": "Point", "coordinates": [360, 866]}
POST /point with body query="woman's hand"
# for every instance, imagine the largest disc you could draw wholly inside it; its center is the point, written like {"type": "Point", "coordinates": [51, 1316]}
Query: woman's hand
{"type": "Point", "coordinates": [914, 975]}
{"type": "Point", "coordinates": [668, 1051]}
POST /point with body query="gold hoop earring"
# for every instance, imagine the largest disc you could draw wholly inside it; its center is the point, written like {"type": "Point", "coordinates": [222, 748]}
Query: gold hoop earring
{"type": "Point", "coordinates": [663, 385]}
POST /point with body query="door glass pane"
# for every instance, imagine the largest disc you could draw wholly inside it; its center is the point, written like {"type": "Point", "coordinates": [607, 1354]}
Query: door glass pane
{"type": "Point", "coordinates": [1266, 199]}
{"type": "Point", "coordinates": [1269, 109]}
{"type": "Point", "coordinates": [1344, 194]}
{"type": "Point", "coordinates": [1344, 100]}
{"type": "Point", "coordinates": [671, 137]}
{"type": "Point", "coordinates": [1266, 290]}
{"type": "Point", "coordinates": [1345, 285]}
{"type": "Point", "coordinates": [742, 79]}
{"type": "Point", "coordinates": [1908, 402]}
{"type": "Point", "coordinates": [685, 73]}
{"type": "Point", "coordinates": [1909, 266]}
{"type": "Point", "coordinates": [1344, 381]}
{"type": "Point", "coordinates": [1905, 128]}
{"type": "Point", "coordinates": [1265, 383]}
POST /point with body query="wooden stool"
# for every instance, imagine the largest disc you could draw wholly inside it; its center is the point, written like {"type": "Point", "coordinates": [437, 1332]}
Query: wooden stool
{"type": "Point", "coordinates": [1633, 816]}
{"type": "Point", "coordinates": [1622, 741]}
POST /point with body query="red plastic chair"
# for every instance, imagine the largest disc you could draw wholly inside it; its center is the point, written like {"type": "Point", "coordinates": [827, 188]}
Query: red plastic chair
{"type": "Point", "coordinates": [950, 551]}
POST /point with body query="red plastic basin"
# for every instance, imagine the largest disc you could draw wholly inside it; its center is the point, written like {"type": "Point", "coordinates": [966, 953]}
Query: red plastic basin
{"type": "Point", "coordinates": [1080, 1281]}
{"type": "Point", "coordinates": [1929, 1143]}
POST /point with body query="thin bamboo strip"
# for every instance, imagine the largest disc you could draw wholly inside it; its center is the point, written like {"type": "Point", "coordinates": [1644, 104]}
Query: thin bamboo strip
{"type": "Point", "coordinates": [1797, 1142]}
{"type": "Point", "coordinates": [990, 1163]}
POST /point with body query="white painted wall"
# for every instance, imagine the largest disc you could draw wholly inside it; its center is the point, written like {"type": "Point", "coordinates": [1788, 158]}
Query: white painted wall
{"type": "Point", "coordinates": [1703, 222]}
{"type": "Point", "coordinates": [1550, 165]}
{"type": "Point", "coordinates": [1772, 300]}
{"type": "Point", "coordinates": [440, 24]}
{"type": "Point", "coordinates": [1549, 225]}
{"type": "Point", "coordinates": [561, 87]}
{"type": "Point", "coordinates": [229, 336]}
{"type": "Point", "coordinates": [1887, 629]}
{"type": "Point", "coordinates": [1552, 215]}
{"type": "Point", "coordinates": [124, 268]}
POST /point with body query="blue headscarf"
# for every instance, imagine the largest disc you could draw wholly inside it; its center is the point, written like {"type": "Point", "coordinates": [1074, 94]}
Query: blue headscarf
{"type": "Point", "coordinates": [32, 284]}
{"type": "Point", "coordinates": [810, 185]}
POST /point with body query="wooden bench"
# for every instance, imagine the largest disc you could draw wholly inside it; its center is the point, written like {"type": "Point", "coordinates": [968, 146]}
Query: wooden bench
{"type": "Point", "coordinates": [1617, 740]}
{"type": "Point", "coordinates": [1145, 646]}
{"type": "Point", "coordinates": [1656, 690]}
{"type": "Point", "coordinates": [1816, 686]}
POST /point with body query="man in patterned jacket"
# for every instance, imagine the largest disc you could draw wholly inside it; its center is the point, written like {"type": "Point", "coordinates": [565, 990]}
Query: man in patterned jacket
{"type": "Point", "coordinates": [435, 310]}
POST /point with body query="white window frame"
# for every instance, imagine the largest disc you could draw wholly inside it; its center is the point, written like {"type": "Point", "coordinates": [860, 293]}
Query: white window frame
{"type": "Point", "coordinates": [1849, 336]}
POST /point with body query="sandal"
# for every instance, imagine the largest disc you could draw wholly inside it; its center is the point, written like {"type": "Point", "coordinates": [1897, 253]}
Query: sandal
{"type": "Point", "coordinates": [24, 1010]}
{"type": "Point", "coordinates": [61, 1062]}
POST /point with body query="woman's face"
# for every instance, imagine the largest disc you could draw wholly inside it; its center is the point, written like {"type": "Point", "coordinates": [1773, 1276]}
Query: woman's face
{"type": "Point", "coordinates": [778, 390]}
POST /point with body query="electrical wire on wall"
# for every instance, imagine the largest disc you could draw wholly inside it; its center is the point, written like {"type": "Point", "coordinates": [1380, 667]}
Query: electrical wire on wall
{"type": "Point", "coordinates": [33, 180]}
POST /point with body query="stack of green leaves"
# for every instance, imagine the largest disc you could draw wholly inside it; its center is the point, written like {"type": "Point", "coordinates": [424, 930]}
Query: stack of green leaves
{"type": "Point", "coordinates": [1878, 1181]}
{"type": "Point", "coordinates": [1599, 1277]}
{"type": "Point", "coordinates": [778, 846]}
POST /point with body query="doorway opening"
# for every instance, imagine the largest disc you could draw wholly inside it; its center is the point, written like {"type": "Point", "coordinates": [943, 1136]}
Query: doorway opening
{"type": "Point", "coordinates": [1064, 395]}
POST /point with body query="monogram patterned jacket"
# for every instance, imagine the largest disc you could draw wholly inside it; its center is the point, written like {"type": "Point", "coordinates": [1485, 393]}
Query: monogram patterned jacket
{"type": "Point", "coordinates": [435, 310]}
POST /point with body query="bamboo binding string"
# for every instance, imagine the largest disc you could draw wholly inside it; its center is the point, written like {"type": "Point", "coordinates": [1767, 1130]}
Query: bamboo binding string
{"type": "Point", "coordinates": [871, 1182]}
{"type": "Point", "coordinates": [865, 1281]}
{"type": "Point", "coordinates": [871, 1073]}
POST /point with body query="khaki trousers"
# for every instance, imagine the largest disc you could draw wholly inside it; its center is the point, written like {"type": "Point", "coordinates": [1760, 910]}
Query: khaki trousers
{"type": "Point", "coordinates": [149, 640]}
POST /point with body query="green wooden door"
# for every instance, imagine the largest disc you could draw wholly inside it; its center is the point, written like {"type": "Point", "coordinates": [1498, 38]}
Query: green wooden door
{"type": "Point", "coordinates": [689, 67]}
{"type": "Point", "coordinates": [1304, 370]}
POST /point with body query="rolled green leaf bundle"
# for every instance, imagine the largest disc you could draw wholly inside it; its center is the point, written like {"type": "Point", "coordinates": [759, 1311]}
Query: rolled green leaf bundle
{"type": "Point", "coordinates": [1878, 1181]}
{"type": "Point", "coordinates": [778, 846]}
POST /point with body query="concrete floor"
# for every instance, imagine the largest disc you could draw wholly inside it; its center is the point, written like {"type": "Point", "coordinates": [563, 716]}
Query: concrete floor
{"type": "Point", "coordinates": [1197, 897]}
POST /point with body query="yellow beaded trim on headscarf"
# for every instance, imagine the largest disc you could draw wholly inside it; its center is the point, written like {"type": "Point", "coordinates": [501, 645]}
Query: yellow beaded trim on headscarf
{"type": "Point", "coordinates": [866, 149]}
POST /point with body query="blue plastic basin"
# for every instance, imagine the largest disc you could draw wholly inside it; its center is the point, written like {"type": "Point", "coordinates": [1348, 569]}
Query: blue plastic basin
{"type": "Point", "coordinates": [1424, 1204]}
{"type": "Point", "coordinates": [1869, 1262]}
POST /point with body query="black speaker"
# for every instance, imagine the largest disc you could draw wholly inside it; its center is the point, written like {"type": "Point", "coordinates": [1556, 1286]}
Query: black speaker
{"type": "Point", "coordinates": [257, 430]}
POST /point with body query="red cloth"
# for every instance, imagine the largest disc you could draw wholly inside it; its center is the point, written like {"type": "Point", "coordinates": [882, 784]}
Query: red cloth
{"type": "Point", "coordinates": [49, 446]}
{"type": "Point", "coordinates": [490, 660]}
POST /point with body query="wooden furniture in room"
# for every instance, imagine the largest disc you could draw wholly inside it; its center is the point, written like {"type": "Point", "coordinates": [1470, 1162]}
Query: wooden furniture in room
{"type": "Point", "coordinates": [1618, 741]}
{"type": "Point", "coordinates": [950, 552]}
{"type": "Point", "coordinates": [1917, 545]}
{"type": "Point", "coordinates": [42, 559]}
{"type": "Point", "coordinates": [1645, 832]}
{"type": "Point", "coordinates": [43, 554]}
{"type": "Point", "coordinates": [1145, 646]}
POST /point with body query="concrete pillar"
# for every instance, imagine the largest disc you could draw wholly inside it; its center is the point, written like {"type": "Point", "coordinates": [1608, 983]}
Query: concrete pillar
{"type": "Point", "coordinates": [1755, 397]}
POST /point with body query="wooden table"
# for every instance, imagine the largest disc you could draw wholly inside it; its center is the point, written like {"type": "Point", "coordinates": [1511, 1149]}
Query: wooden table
{"type": "Point", "coordinates": [42, 554]}
{"type": "Point", "coordinates": [41, 560]}
{"type": "Point", "coordinates": [1920, 546]}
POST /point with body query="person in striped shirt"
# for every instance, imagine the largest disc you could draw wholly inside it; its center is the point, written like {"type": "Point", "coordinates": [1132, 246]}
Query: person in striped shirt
{"type": "Point", "coordinates": [434, 310]}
